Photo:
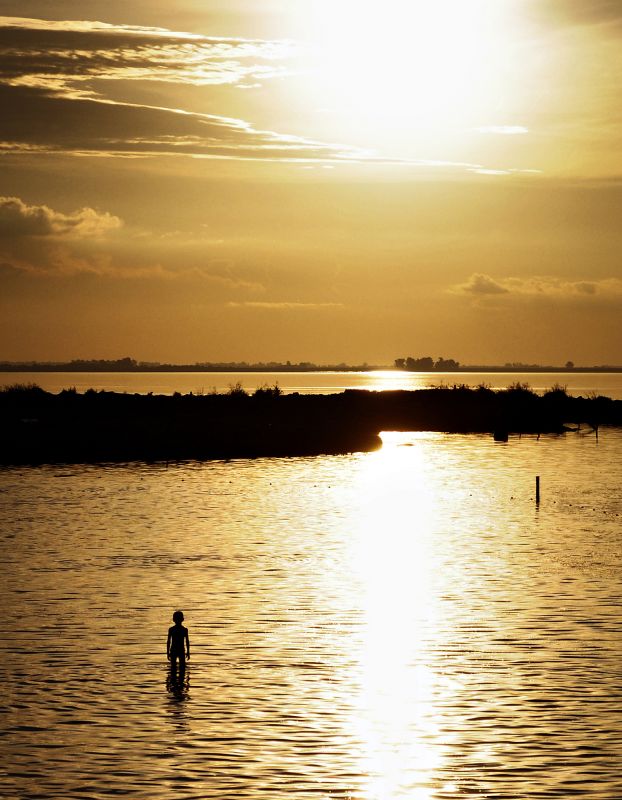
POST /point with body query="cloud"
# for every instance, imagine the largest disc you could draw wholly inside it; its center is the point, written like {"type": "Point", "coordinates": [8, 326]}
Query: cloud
{"type": "Point", "coordinates": [101, 128]}
{"type": "Point", "coordinates": [56, 93]}
{"type": "Point", "coordinates": [62, 56]}
{"type": "Point", "coordinates": [485, 171]}
{"type": "Point", "coordinates": [36, 239]}
{"type": "Point", "coordinates": [39, 241]}
{"type": "Point", "coordinates": [19, 219]}
{"type": "Point", "coordinates": [541, 287]}
{"type": "Point", "coordinates": [66, 87]}
{"type": "Point", "coordinates": [284, 305]}
{"type": "Point", "coordinates": [503, 130]}
{"type": "Point", "coordinates": [482, 284]}
{"type": "Point", "coordinates": [580, 12]}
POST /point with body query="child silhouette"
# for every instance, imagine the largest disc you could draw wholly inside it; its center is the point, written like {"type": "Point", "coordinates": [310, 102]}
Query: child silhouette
{"type": "Point", "coordinates": [178, 642]}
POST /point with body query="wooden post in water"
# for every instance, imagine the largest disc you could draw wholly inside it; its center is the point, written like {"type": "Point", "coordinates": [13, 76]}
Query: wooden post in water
{"type": "Point", "coordinates": [537, 488]}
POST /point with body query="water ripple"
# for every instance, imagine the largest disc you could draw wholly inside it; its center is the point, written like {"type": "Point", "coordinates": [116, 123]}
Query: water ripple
{"type": "Point", "coordinates": [400, 624]}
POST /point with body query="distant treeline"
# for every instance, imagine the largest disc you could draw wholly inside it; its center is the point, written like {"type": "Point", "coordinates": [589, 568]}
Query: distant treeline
{"type": "Point", "coordinates": [99, 426]}
{"type": "Point", "coordinates": [428, 364]}
{"type": "Point", "coordinates": [131, 365]}
{"type": "Point", "coordinates": [420, 364]}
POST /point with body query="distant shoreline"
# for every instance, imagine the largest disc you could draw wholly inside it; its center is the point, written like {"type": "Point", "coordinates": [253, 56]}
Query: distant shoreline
{"type": "Point", "coordinates": [6, 367]}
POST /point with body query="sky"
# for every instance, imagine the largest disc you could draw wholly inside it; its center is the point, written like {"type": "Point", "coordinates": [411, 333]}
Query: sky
{"type": "Point", "coordinates": [311, 180]}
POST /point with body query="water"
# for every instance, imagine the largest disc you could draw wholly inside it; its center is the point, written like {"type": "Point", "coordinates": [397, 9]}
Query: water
{"type": "Point", "coordinates": [398, 624]}
{"type": "Point", "coordinates": [608, 384]}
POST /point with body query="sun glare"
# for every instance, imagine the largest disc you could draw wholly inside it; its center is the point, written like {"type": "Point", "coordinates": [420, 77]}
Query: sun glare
{"type": "Point", "coordinates": [411, 63]}
{"type": "Point", "coordinates": [395, 716]}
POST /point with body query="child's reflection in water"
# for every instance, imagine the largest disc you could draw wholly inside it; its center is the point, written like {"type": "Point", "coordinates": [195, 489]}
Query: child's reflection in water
{"type": "Point", "coordinates": [178, 688]}
{"type": "Point", "coordinates": [178, 682]}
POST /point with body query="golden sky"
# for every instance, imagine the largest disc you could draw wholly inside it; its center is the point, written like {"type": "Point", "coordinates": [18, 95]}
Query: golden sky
{"type": "Point", "coordinates": [321, 180]}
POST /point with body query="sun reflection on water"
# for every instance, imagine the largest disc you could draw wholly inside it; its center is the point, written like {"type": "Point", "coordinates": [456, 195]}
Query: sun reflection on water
{"type": "Point", "coordinates": [380, 626]}
{"type": "Point", "coordinates": [383, 380]}
{"type": "Point", "coordinates": [395, 715]}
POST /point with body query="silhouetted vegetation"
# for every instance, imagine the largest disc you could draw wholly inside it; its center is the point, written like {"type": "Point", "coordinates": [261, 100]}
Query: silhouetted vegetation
{"type": "Point", "coordinates": [131, 365]}
{"type": "Point", "coordinates": [427, 364]}
{"type": "Point", "coordinates": [420, 364]}
{"type": "Point", "coordinates": [40, 427]}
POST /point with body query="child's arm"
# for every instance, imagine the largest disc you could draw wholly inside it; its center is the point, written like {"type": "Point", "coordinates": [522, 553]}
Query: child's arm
{"type": "Point", "coordinates": [187, 644]}
{"type": "Point", "coordinates": [168, 646]}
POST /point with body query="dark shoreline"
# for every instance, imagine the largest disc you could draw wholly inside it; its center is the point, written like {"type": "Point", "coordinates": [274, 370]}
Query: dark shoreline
{"type": "Point", "coordinates": [38, 427]}
{"type": "Point", "coordinates": [9, 367]}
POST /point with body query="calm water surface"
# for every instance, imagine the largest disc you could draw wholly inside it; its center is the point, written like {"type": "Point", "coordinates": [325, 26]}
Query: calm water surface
{"type": "Point", "coordinates": [398, 624]}
{"type": "Point", "coordinates": [608, 384]}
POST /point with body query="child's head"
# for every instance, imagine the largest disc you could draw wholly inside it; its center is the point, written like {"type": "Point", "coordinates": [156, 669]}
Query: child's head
{"type": "Point", "coordinates": [178, 616]}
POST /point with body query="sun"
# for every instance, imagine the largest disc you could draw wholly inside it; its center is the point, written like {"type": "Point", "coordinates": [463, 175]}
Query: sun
{"type": "Point", "coordinates": [409, 63]}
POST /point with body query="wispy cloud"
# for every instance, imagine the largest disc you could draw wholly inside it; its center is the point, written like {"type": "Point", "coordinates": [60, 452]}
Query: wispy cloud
{"type": "Point", "coordinates": [62, 71]}
{"type": "Point", "coordinates": [83, 76]}
{"type": "Point", "coordinates": [580, 12]}
{"type": "Point", "coordinates": [479, 170]}
{"type": "Point", "coordinates": [85, 126]}
{"type": "Point", "coordinates": [504, 130]}
{"type": "Point", "coordinates": [284, 305]}
{"type": "Point", "coordinates": [540, 287]}
{"type": "Point", "coordinates": [68, 57]}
